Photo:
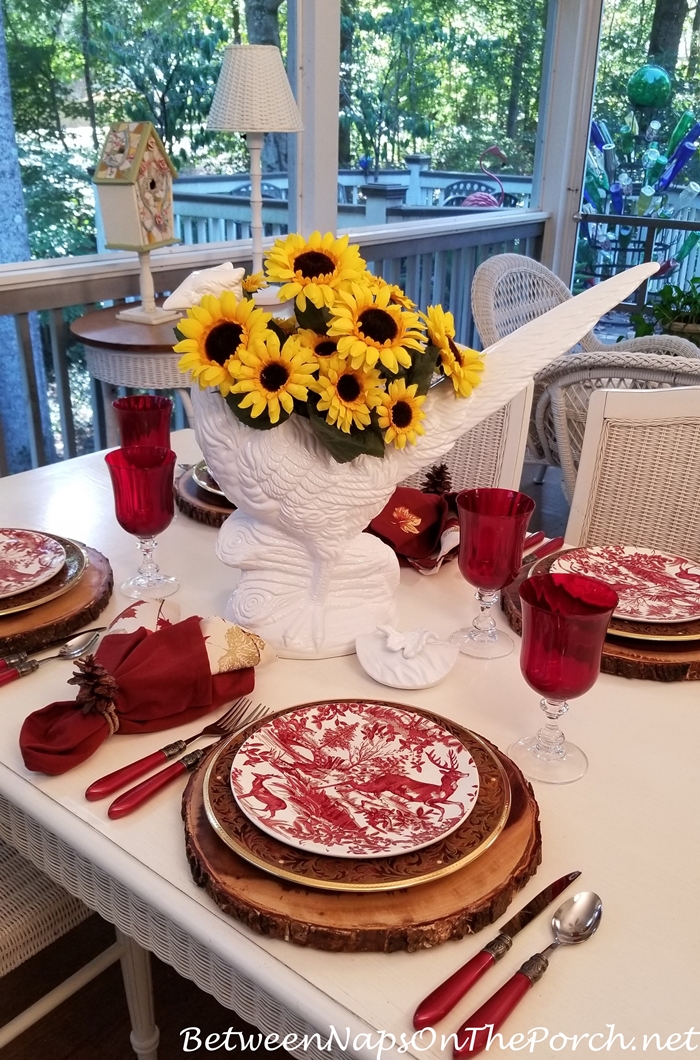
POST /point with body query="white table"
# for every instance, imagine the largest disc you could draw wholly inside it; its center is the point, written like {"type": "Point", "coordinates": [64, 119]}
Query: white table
{"type": "Point", "coordinates": [630, 824]}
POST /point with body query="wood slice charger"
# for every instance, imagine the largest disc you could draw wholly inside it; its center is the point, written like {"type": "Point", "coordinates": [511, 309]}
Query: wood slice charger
{"type": "Point", "coordinates": [649, 660]}
{"type": "Point", "coordinates": [203, 507]}
{"type": "Point", "coordinates": [409, 918]}
{"type": "Point", "coordinates": [36, 628]}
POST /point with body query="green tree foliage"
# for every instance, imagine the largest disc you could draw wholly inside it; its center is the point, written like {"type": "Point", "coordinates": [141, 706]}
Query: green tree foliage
{"type": "Point", "coordinates": [59, 202]}
{"type": "Point", "coordinates": [77, 65]}
{"type": "Point", "coordinates": [165, 74]}
{"type": "Point", "coordinates": [42, 66]}
{"type": "Point", "coordinates": [636, 32]}
{"type": "Point", "coordinates": [447, 76]}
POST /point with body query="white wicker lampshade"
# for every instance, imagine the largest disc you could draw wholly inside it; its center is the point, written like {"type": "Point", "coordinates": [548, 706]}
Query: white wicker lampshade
{"type": "Point", "coordinates": [253, 93]}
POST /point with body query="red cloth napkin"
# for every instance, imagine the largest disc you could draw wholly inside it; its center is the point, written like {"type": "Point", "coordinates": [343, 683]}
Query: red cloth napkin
{"type": "Point", "coordinates": [413, 524]}
{"type": "Point", "coordinates": [162, 679]}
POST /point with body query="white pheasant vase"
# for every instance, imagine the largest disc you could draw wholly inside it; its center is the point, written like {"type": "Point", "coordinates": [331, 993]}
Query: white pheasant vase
{"type": "Point", "coordinates": [310, 579]}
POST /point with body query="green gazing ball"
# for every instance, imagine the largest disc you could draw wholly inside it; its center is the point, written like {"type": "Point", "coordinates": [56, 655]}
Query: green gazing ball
{"type": "Point", "coordinates": [650, 86]}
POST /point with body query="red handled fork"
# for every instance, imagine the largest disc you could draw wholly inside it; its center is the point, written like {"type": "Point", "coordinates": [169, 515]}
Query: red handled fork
{"type": "Point", "coordinates": [234, 718]}
{"type": "Point", "coordinates": [135, 797]}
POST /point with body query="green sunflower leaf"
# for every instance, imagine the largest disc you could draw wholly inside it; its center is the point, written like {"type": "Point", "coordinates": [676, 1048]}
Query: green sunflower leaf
{"type": "Point", "coordinates": [390, 376]}
{"type": "Point", "coordinates": [423, 369]}
{"type": "Point", "coordinates": [345, 447]}
{"type": "Point", "coordinates": [279, 332]}
{"type": "Point", "coordinates": [261, 422]}
{"type": "Point", "coordinates": [313, 318]}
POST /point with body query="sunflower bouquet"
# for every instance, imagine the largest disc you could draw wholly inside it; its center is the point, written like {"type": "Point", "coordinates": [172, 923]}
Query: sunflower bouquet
{"type": "Point", "coordinates": [353, 354]}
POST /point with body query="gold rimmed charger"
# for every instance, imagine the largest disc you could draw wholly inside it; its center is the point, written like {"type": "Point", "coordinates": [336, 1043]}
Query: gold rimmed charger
{"type": "Point", "coordinates": [68, 577]}
{"type": "Point", "coordinates": [461, 847]}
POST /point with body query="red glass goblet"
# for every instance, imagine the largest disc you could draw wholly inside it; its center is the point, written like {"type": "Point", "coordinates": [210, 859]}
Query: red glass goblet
{"type": "Point", "coordinates": [142, 480]}
{"type": "Point", "coordinates": [144, 419]}
{"type": "Point", "coordinates": [492, 528]}
{"type": "Point", "coordinates": [565, 619]}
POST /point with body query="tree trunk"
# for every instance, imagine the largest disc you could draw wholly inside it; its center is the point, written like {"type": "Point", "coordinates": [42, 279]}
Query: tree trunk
{"type": "Point", "coordinates": [236, 22]}
{"type": "Point", "coordinates": [348, 16]}
{"type": "Point", "coordinates": [694, 44]}
{"type": "Point", "coordinates": [516, 78]}
{"type": "Point", "coordinates": [262, 25]}
{"type": "Point", "coordinates": [666, 32]}
{"type": "Point", "coordinates": [14, 246]}
{"type": "Point", "coordinates": [85, 48]}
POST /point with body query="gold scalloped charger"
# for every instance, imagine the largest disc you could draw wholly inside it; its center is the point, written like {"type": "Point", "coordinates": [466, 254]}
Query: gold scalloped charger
{"type": "Point", "coordinates": [663, 632]}
{"type": "Point", "coordinates": [67, 577]}
{"type": "Point", "coordinates": [477, 833]}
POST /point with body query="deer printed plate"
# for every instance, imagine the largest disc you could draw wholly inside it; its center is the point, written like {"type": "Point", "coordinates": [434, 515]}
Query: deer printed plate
{"type": "Point", "coordinates": [27, 559]}
{"type": "Point", "coordinates": [354, 779]}
{"type": "Point", "coordinates": [652, 586]}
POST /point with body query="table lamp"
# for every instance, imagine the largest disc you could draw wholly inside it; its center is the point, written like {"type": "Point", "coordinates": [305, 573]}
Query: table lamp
{"type": "Point", "coordinates": [253, 96]}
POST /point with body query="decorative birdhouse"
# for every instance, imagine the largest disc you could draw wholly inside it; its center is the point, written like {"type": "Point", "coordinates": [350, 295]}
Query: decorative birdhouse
{"type": "Point", "coordinates": [134, 181]}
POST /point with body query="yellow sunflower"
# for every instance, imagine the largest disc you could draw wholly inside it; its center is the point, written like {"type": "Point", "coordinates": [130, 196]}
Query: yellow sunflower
{"type": "Point", "coordinates": [397, 296]}
{"type": "Point", "coordinates": [347, 394]}
{"type": "Point", "coordinates": [215, 331]}
{"type": "Point", "coordinates": [316, 269]}
{"type": "Point", "coordinates": [322, 345]}
{"type": "Point", "coordinates": [462, 364]}
{"type": "Point", "coordinates": [255, 282]}
{"type": "Point", "coordinates": [271, 377]}
{"type": "Point", "coordinates": [369, 328]}
{"type": "Point", "coordinates": [400, 414]}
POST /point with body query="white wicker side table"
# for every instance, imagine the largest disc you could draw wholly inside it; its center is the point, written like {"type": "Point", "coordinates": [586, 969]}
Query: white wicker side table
{"type": "Point", "coordinates": [124, 353]}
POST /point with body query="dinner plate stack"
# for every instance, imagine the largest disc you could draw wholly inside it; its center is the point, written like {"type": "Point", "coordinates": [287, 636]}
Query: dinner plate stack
{"type": "Point", "coordinates": [50, 586]}
{"type": "Point", "coordinates": [36, 568]}
{"type": "Point", "coordinates": [654, 634]}
{"type": "Point", "coordinates": [357, 795]}
{"type": "Point", "coordinates": [659, 593]}
{"type": "Point", "coordinates": [356, 824]}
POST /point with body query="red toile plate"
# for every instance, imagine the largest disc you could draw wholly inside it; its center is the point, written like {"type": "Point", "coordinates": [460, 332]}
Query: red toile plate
{"type": "Point", "coordinates": [354, 779]}
{"type": "Point", "coordinates": [27, 559]}
{"type": "Point", "coordinates": [652, 586]}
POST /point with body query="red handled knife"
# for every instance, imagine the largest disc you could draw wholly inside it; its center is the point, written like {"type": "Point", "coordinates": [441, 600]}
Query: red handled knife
{"type": "Point", "coordinates": [445, 997]}
{"type": "Point", "coordinates": [136, 796]}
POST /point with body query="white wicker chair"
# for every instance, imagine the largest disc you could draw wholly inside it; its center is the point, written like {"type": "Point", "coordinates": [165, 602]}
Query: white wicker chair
{"type": "Point", "coordinates": [35, 912]}
{"type": "Point", "coordinates": [639, 475]}
{"type": "Point", "coordinates": [510, 289]}
{"type": "Point", "coordinates": [565, 387]}
{"type": "Point", "coordinates": [490, 454]}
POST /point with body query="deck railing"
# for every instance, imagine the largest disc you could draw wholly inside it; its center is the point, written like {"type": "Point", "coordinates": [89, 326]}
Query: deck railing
{"type": "Point", "coordinates": [434, 261]}
{"type": "Point", "coordinates": [619, 241]}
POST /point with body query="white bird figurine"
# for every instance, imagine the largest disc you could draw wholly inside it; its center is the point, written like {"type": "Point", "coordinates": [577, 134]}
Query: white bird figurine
{"type": "Point", "coordinates": [206, 281]}
{"type": "Point", "coordinates": [311, 581]}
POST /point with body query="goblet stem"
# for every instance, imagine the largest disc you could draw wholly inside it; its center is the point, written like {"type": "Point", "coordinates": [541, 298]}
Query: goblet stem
{"type": "Point", "coordinates": [550, 738]}
{"type": "Point", "coordinates": [482, 639]}
{"type": "Point", "coordinates": [547, 755]}
{"type": "Point", "coordinates": [484, 621]}
{"type": "Point", "coordinates": [149, 583]}
{"type": "Point", "coordinates": [149, 569]}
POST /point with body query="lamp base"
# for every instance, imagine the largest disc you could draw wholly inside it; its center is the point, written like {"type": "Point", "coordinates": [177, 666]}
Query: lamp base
{"type": "Point", "coordinates": [142, 316]}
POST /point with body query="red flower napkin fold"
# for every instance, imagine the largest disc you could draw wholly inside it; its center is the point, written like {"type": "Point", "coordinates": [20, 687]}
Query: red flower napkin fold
{"type": "Point", "coordinates": [136, 682]}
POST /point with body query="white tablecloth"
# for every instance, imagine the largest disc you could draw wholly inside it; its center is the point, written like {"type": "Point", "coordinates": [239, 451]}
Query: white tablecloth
{"type": "Point", "coordinates": [630, 825]}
